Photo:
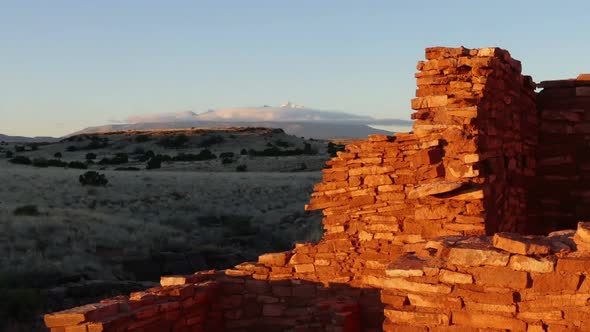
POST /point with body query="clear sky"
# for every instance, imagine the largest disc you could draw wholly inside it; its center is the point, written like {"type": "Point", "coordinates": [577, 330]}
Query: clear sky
{"type": "Point", "coordinates": [65, 65]}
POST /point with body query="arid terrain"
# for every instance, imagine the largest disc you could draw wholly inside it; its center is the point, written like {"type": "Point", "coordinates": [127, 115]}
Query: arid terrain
{"type": "Point", "coordinates": [175, 202]}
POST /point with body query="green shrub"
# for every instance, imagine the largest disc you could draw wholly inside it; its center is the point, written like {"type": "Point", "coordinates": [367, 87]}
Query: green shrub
{"type": "Point", "coordinates": [57, 155]}
{"type": "Point", "coordinates": [91, 156]}
{"type": "Point", "coordinates": [21, 304]}
{"type": "Point", "coordinates": [40, 162]}
{"type": "Point", "coordinates": [71, 148]}
{"type": "Point", "coordinates": [203, 155]}
{"type": "Point", "coordinates": [142, 138]}
{"type": "Point", "coordinates": [282, 143]}
{"type": "Point", "coordinates": [154, 163]}
{"type": "Point", "coordinates": [92, 178]}
{"type": "Point", "coordinates": [209, 141]}
{"type": "Point", "coordinates": [19, 148]}
{"type": "Point", "coordinates": [244, 152]}
{"type": "Point", "coordinates": [226, 155]}
{"type": "Point", "coordinates": [27, 210]}
{"type": "Point", "coordinates": [77, 165]}
{"type": "Point", "coordinates": [56, 163]}
{"type": "Point", "coordinates": [177, 141]}
{"type": "Point", "coordinates": [241, 168]}
{"type": "Point", "coordinates": [333, 148]}
{"type": "Point", "coordinates": [9, 154]}
{"type": "Point", "coordinates": [126, 169]}
{"type": "Point", "coordinates": [118, 159]}
{"type": "Point", "coordinates": [22, 160]}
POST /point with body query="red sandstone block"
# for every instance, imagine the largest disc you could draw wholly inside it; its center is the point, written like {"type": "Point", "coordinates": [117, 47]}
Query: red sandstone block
{"type": "Point", "coordinates": [410, 317]}
{"type": "Point", "coordinates": [87, 313]}
{"type": "Point", "coordinates": [275, 259]}
{"type": "Point", "coordinates": [574, 264]}
{"type": "Point", "coordinates": [523, 245]}
{"type": "Point", "coordinates": [257, 286]}
{"type": "Point", "coordinates": [377, 180]}
{"type": "Point", "coordinates": [480, 320]}
{"type": "Point", "coordinates": [493, 276]}
{"type": "Point", "coordinates": [273, 310]}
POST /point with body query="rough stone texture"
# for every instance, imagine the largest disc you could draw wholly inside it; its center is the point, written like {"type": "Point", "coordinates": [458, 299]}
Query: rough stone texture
{"type": "Point", "coordinates": [406, 219]}
{"type": "Point", "coordinates": [561, 195]}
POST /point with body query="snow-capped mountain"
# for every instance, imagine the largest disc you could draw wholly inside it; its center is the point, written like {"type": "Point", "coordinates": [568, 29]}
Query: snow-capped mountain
{"type": "Point", "coordinates": [294, 119]}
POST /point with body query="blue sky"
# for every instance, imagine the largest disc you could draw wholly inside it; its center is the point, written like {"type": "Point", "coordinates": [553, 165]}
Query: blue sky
{"type": "Point", "coordinates": [65, 65]}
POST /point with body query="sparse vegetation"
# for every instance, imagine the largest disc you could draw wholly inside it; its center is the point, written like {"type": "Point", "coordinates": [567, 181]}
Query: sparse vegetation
{"type": "Point", "coordinates": [57, 155]}
{"type": "Point", "coordinates": [118, 159]}
{"type": "Point", "coordinates": [211, 140]}
{"type": "Point", "coordinates": [21, 160]}
{"type": "Point", "coordinates": [56, 163]}
{"type": "Point", "coordinates": [333, 148]}
{"type": "Point", "coordinates": [142, 138]}
{"type": "Point", "coordinates": [154, 163]}
{"type": "Point", "coordinates": [91, 156]}
{"type": "Point", "coordinates": [126, 169]}
{"type": "Point", "coordinates": [176, 142]}
{"type": "Point", "coordinates": [27, 210]}
{"type": "Point", "coordinates": [40, 162]}
{"type": "Point", "coordinates": [241, 168]}
{"type": "Point", "coordinates": [77, 165]}
{"type": "Point", "coordinates": [92, 178]}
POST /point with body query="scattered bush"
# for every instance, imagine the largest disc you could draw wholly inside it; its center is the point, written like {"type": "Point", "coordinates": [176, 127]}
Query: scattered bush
{"type": "Point", "coordinates": [40, 162]}
{"type": "Point", "coordinates": [93, 145]}
{"type": "Point", "coordinates": [142, 138]}
{"type": "Point", "coordinates": [126, 169]}
{"type": "Point", "coordinates": [307, 149]}
{"type": "Point", "coordinates": [139, 150]}
{"type": "Point", "coordinates": [21, 304]}
{"type": "Point", "coordinates": [57, 155]}
{"type": "Point", "coordinates": [118, 159]}
{"type": "Point", "coordinates": [275, 152]}
{"type": "Point", "coordinates": [282, 143]}
{"type": "Point", "coordinates": [56, 163]}
{"type": "Point", "coordinates": [226, 155]}
{"type": "Point", "coordinates": [203, 155]}
{"type": "Point", "coordinates": [27, 210]}
{"type": "Point", "coordinates": [9, 154]}
{"type": "Point", "coordinates": [71, 148]}
{"type": "Point", "coordinates": [92, 178]}
{"type": "Point", "coordinates": [241, 168]}
{"type": "Point", "coordinates": [177, 141]}
{"type": "Point", "coordinates": [154, 163]}
{"type": "Point", "coordinates": [19, 148]}
{"type": "Point", "coordinates": [145, 156]}
{"type": "Point", "coordinates": [244, 152]}
{"type": "Point", "coordinates": [22, 160]}
{"type": "Point", "coordinates": [209, 141]}
{"type": "Point", "coordinates": [333, 148]}
{"type": "Point", "coordinates": [225, 161]}
{"type": "Point", "coordinates": [91, 156]}
{"type": "Point", "coordinates": [77, 165]}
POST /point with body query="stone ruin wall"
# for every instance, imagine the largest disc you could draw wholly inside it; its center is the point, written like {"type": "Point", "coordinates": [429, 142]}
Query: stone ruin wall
{"type": "Point", "coordinates": [406, 219]}
{"type": "Point", "coordinates": [561, 195]}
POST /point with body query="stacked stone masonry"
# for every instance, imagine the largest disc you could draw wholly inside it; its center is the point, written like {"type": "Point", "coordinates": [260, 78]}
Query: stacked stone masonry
{"type": "Point", "coordinates": [563, 154]}
{"type": "Point", "coordinates": [421, 228]}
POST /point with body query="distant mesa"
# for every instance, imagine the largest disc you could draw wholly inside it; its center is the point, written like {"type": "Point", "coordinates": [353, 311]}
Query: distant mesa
{"type": "Point", "coordinates": [23, 139]}
{"type": "Point", "coordinates": [295, 119]}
